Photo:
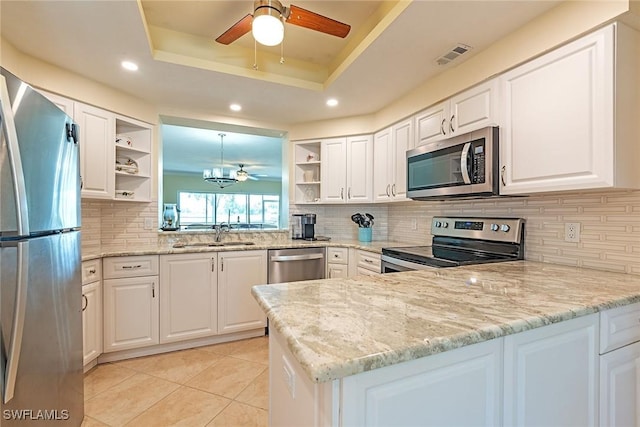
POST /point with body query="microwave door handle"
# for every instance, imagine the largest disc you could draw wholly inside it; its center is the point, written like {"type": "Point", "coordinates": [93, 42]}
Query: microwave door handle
{"type": "Point", "coordinates": [464, 165]}
{"type": "Point", "coordinates": [15, 162]}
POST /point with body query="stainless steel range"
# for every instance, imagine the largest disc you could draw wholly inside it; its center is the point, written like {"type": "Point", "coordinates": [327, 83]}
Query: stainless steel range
{"type": "Point", "coordinates": [460, 241]}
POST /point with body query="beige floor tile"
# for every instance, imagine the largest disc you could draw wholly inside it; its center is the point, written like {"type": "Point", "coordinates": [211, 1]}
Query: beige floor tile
{"type": "Point", "coordinates": [260, 355]}
{"type": "Point", "coordinates": [224, 349]}
{"type": "Point", "coordinates": [257, 392]}
{"type": "Point", "coordinates": [241, 415]}
{"type": "Point", "coordinates": [228, 377]}
{"type": "Point", "coordinates": [177, 366]}
{"type": "Point", "coordinates": [184, 407]}
{"type": "Point", "coordinates": [103, 377]}
{"type": "Point", "coordinates": [128, 399]}
{"type": "Point", "coordinates": [90, 422]}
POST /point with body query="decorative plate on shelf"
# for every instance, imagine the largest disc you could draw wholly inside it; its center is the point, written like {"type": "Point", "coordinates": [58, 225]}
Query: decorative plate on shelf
{"type": "Point", "coordinates": [127, 165]}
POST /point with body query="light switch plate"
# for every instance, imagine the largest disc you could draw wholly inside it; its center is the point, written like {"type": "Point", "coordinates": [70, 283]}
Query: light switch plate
{"type": "Point", "coordinates": [148, 223]}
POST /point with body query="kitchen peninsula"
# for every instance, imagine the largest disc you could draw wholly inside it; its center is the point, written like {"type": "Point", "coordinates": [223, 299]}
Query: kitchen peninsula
{"type": "Point", "coordinates": [517, 343]}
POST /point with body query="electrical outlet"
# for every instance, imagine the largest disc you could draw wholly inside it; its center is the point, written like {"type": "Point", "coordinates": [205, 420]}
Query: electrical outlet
{"type": "Point", "coordinates": [148, 223]}
{"type": "Point", "coordinates": [572, 232]}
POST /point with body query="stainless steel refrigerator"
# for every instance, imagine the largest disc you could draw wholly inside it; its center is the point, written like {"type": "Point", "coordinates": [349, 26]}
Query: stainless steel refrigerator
{"type": "Point", "coordinates": [40, 280]}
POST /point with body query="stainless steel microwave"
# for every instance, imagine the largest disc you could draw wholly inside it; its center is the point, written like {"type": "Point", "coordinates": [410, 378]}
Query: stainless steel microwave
{"type": "Point", "coordinates": [462, 166]}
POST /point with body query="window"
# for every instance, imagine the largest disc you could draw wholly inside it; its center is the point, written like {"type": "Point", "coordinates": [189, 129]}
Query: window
{"type": "Point", "coordinates": [240, 210]}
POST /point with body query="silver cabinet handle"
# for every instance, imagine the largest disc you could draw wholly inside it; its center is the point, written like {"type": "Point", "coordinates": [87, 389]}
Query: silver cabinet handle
{"type": "Point", "coordinates": [342, 193]}
{"type": "Point", "coordinates": [20, 305]}
{"type": "Point", "coordinates": [442, 126]}
{"type": "Point", "coordinates": [221, 264]}
{"type": "Point", "coordinates": [153, 289]}
{"type": "Point", "coordinates": [132, 266]}
{"type": "Point", "coordinates": [349, 193]}
{"type": "Point", "coordinates": [393, 190]}
{"type": "Point", "coordinates": [388, 186]}
{"type": "Point", "coordinates": [502, 171]}
{"type": "Point", "coordinates": [285, 258]}
{"type": "Point", "coordinates": [85, 302]}
{"type": "Point", "coordinates": [451, 123]}
{"type": "Point", "coordinates": [15, 162]}
{"type": "Point", "coordinates": [213, 264]}
{"type": "Point", "coordinates": [463, 163]}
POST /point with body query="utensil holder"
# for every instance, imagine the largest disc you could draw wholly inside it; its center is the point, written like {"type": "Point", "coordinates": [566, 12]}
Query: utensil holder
{"type": "Point", "coordinates": [364, 234]}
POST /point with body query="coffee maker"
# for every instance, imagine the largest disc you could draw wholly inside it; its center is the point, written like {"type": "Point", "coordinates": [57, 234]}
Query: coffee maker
{"type": "Point", "coordinates": [303, 226]}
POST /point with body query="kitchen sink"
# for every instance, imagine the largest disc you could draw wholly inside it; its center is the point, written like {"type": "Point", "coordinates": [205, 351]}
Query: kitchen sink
{"type": "Point", "coordinates": [211, 244]}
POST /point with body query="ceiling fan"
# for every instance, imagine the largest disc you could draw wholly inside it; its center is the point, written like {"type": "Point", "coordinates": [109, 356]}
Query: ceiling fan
{"type": "Point", "coordinates": [243, 175]}
{"type": "Point", "coordinates": [267, 27]}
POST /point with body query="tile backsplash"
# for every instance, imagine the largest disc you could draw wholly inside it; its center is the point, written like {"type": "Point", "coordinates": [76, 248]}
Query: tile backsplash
{"type": "Point", "coordinates": [609, 237]}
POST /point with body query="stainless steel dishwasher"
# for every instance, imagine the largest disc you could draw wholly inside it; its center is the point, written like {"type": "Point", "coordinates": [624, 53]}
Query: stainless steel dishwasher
{"type": "Point", "coordinates": [293, 265]}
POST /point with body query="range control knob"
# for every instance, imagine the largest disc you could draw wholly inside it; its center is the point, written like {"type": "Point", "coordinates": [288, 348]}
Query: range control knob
{"type": "Point", "coordinates": [505, 228]}
{"type": "Point", "coordinates": [445, 224]}
{"type": "Point", "coordinates": [494, 227]}
{"type": "Point", "coordinates": [437, 224]}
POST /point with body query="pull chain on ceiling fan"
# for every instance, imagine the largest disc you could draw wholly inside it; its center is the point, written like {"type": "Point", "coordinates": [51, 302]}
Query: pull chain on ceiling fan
{"type": "Point", "coordinates": [267, 26]}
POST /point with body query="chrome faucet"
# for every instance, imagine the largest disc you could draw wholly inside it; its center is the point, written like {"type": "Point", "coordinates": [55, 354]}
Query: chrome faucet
{"type": "Point", "coordinates": [220, 228]}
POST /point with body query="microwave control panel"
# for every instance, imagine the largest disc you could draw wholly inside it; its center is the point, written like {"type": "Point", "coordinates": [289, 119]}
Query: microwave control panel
{"type": "Point", "coordinates": [478, 168]}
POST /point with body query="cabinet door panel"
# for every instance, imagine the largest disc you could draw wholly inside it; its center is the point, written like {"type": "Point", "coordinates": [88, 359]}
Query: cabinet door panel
{"type": "Point", "coordinates": [360, 169]}
{"type": "Point", "coordinates": [551, 375]}
{"type": "Point", "coordinates": [381, 178]}
{"type": "Point", "coordinates": [97, 162]}
{"type": "Point", "coordinates": [620, 387]}
{"type": "Point", "coordinates": [334, 169]}
{"type": "Point", "coordinates": [238, 272]}
{"type": "Point", "coordinates": [188, 301]}
{"type": "Point", "coordinates": [130, 313]}
{"type": "Point", "coordinates": [402, 141]}
{"type": "Point", "coordinates": [558, 119]}
{"type": "Point", "coordinates": [474, 108]}
{"type": "Point", "coordinates": [92, 321]}
{"type": "Point", "coordinates": [430, 124]}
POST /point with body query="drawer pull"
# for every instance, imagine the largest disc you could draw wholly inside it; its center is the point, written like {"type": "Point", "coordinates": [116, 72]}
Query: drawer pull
{"type": "Point", "coordinates": [92, 271]}
{"type": "Point", "coordinates": [131, 266]}
{"type": "Point", "coordinates": [369, 261]}
{"type": "Point", "coordinates": [336, 255]}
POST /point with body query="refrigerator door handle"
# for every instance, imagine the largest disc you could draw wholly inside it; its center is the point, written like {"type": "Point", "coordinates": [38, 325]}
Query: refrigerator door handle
{"type": "Point", "coordinates": [20, 305]}
{"type": "Point", "coordinates": [15, 162]}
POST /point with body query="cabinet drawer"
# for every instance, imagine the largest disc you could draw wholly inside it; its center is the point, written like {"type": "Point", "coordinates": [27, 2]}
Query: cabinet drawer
{"type": "Point", "coordinates": [619, 327]}
{"type": "Point", "coordinates": [134, 266]}
{"type": "Point", "coordinates": [91, 271]}
{"type": "Point", "coordinates": [338, 255]}
{"type": "Point", "coordinates": [369, 261]}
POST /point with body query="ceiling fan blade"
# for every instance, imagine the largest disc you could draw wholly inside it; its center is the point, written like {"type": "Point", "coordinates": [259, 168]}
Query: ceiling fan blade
{"type": "Point", "coordinates": [236, 31]}
{"type": "Point", "coordinates": [307, 19]}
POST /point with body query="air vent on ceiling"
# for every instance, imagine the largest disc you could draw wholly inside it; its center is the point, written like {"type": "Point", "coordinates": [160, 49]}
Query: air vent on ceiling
{"type": "Point", "coordinates": [452, 54]}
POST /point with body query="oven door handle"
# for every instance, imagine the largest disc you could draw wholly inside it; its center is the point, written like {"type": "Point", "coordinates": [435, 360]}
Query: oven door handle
{"type": "Point", "coordinates": [464, 165]}
{"type": "Point", "coordinates": [409, 266]}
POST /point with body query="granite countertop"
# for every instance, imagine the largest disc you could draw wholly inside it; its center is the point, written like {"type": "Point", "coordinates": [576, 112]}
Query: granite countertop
{"type": "Point", "coordinates": [341, 327]}
{"type": "Point", "coordinates": [159, 249]}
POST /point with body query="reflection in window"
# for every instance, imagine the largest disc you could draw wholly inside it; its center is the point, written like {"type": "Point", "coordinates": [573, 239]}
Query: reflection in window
{"type": "Point", "coordinates": [203, 210]}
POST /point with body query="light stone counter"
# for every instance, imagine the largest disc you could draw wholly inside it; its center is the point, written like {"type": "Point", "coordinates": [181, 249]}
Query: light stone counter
{"type": "Point", "coordinates": [341, 327]}
{"type": "Point", "coordinates": [163, 249]}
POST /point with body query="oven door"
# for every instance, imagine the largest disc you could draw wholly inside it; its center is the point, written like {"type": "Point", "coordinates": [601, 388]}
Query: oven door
{"type": "Point", "coordinates": [460, 166]}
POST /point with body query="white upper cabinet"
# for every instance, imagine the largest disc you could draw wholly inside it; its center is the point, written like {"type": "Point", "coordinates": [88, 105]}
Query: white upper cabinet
{"type": "Point", "coordinates": [472, 109]}
{"type": "Point", "coordinates": [570, 117]}
{"type": "Point", "coordinates": [347, 170]}
{"type": "Point", "coordinates": [390, 161]}
{"type": "Point", "coordinates": [97, 137]}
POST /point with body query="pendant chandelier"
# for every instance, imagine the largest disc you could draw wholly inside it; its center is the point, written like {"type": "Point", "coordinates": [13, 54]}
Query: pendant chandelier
{"type": "Point", "coordinates": [216, 175]}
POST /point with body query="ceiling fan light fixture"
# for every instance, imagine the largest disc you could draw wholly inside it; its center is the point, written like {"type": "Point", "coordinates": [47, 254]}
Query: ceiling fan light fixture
{"type": "Point", "coordinates": [267, 27]}
{"type": "Point", "coordinates": [242, 175]}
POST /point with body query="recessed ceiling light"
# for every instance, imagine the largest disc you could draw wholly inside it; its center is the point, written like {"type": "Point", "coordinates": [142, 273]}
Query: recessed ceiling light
{"type": "Point", "coordinates": [235, 107]}
{"type": "Point", "coordinates": [332, 102]}
{"type": "Point", "coordinates": [128, 65]}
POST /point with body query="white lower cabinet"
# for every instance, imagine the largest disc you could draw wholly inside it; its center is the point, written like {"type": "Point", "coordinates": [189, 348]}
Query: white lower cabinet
{"type": "Point", "coordinates": [460, 387]}
{"type": "Point", "coordinates": [337, 263]}
{"type": "Point", "coordinates": [551, 375]}
{"type": "Point", "coordinates": [620, 387]}
{"type": "Point", "coordinates": [368, 263]}
{"type": "Point", "coordinates": [130, 313]}
{"type": "Point", "coordinates": [188, 296]}
{"type": "Point", "coordinates": [238, 272]}
{"type": "Point", "coordinates": [91, 311]}
{"type": "Point", "coordinates": [546, 376]}
{"type": "Point", "coordinates": [131, 302]}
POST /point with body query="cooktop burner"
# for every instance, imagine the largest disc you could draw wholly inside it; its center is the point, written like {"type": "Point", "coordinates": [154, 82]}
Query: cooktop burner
{"type": "Point", "coordinates": [461, 241]}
